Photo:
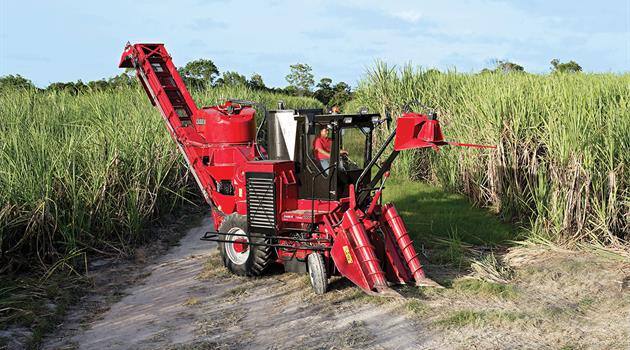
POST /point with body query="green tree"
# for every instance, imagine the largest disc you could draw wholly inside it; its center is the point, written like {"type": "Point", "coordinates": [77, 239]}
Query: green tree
{"type": "Point", "coordinates": [256, 82]}
{"type": "Point", "coordinates": [232, 79]}
{"type": "Point", "coordinates": [14, 82]}
{"type": "Point", "coordinates": [504, 66]}
{"type": "Point", "coordinates": [123, 80]}
{"type": "Point", "coordinates": [301, 78]}
{"type": "Point", "coordinates": [324, 92]}
{"type": "Point", "coordinates": [199, 73]}
{"type": "Point", "coordinates": [566, 67]}
{"type": "Point", "coordinates": [98, 85]}
{"type": "Point", "coordinates": [71, 87]}
{"type": "Point", "coordinates": [332, 95]}
{"type": "Point", "coordinates": [343, 94]}
{"type": "Point", "coordinates": [289, 90]}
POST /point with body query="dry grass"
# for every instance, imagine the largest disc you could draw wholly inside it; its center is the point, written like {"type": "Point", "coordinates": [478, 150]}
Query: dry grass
{"type": "Point", "coordinates": [551, 297]}
{"type": "Point", "coordinates": [488, 268]}
{"type": "Point", "coordinates": [478, 318]}
{"type": "Point", "coordinates": [229, 318]}
{"type": "Point", "coordinates": [529, 294]}
{"type": "Point", "coordinates": [191, 301]}
{"type": "Point", "coordinates": [355, 336]}
{"type": "Point", "coordinates": [547, 298]}
{"type": "Point", "coordinates": [213, 268]}
{"type": "Point", "coordinates": [36, 304]}
{"type": "Point", "coordinates": [475, 287]}
{"type": "Point", "coordinates": [417, 308]}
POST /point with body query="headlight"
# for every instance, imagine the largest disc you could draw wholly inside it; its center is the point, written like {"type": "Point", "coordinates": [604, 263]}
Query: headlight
{"type": "Point", "coordinates": [347, 120]}
{"type": "Point", "coordinates": [375, 119]}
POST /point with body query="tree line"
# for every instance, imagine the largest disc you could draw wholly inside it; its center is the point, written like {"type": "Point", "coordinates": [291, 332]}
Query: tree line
{"type": "Point", "coordinates": [204, 74]}
{"type": "Point", "coordinates": [505, 66]}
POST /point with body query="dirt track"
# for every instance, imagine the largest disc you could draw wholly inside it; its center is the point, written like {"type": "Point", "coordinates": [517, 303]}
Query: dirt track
{"type": "Point", "coordinates": [185, 302]}
{"type": "Point", "coordinates": [185, 299]}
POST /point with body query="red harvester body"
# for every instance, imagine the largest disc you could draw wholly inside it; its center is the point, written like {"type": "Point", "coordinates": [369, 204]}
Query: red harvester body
{"type": "Point", "coordinates": [279, 204]}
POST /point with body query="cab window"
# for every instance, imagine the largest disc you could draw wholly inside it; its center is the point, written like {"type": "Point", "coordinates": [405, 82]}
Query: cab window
{"type": "Point", "coordinates": [353, 143]}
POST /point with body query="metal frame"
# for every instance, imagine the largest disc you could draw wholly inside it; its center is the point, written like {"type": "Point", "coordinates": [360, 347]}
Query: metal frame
{"type": "Point", "coordinates": [214, 237]}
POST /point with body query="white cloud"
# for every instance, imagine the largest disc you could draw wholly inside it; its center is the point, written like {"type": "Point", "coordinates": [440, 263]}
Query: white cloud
{"type": "Point", "coordinates": [408, 16]}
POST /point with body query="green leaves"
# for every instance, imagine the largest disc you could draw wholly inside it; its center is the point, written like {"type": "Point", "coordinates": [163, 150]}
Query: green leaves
{"type": "Point", "coordinates": [301, 78]}
{"type": "Point", "coordinates": [563, 151]}
{"type": "Point", "coordinates": [90, 171]}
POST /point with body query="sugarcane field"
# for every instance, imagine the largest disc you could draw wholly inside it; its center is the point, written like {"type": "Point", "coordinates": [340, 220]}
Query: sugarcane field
{"type": "Point", "coordinates": [314, 175]}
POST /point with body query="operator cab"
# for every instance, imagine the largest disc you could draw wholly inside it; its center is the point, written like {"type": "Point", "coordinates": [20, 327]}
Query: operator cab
{"type": "Point", "coordinates": [350, 140]}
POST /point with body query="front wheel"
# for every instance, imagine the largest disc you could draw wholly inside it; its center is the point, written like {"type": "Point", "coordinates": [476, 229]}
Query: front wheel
{"type": "Point", "coordinates": [317, 273]}
{"type": "Point", "coordinates": [238, 255]}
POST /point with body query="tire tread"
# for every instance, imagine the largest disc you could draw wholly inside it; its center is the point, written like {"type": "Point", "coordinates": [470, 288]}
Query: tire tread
{"type": "Point", "coordinates": [261, 256]}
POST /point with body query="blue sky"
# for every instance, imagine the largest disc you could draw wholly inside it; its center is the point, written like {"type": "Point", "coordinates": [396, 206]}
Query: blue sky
{"type": "Point", "coordinates": [48, 41]}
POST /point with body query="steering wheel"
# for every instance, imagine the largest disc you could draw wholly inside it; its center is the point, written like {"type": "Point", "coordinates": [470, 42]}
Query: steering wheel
{"type": "Point", "coordinates": [345, 163]}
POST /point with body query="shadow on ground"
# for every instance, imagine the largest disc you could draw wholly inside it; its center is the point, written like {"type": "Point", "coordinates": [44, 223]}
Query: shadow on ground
{"type": "Point", "coordinates": [430, 214]}
{"type": "Point", "coordinates": [447, 229]}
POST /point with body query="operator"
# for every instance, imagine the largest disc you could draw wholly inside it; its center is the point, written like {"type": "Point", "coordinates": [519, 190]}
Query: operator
{"type": "Point", "coordinates": [321, 149]}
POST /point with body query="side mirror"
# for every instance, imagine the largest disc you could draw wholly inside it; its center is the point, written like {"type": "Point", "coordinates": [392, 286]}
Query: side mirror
{"type": "Point", "coordinates": [388, 119]}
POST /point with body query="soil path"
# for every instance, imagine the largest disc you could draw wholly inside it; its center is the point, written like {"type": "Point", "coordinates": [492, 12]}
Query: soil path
{"type": "Point", "coordinates": [188, 301]}
{"type": "Point", "coordinates": [185, 299]}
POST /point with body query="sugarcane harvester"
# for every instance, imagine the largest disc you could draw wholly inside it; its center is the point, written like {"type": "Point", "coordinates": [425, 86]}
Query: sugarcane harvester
{"type": "Point", "coordinates": [279, 203]}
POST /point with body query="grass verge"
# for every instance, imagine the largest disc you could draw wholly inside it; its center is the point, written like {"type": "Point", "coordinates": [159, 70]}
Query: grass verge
{"type": "Point", "coordinates": [463, 318]}
{"type": "Point", "coordinates": [36, 304]}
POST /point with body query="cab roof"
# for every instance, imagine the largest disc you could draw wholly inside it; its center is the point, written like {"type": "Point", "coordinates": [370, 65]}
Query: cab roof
{"type": "Point", "coordinates": [345, 119]}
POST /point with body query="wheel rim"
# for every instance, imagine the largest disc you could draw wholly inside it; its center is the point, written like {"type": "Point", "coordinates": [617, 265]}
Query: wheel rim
{"type": "Point", "coordinates": [237, 249]}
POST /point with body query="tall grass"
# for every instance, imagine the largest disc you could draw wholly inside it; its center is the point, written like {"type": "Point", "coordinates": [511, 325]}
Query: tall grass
{"type": "Point", "coordinates": [563, 141]}
{"type": "Point", "coordinates": [88, 172]}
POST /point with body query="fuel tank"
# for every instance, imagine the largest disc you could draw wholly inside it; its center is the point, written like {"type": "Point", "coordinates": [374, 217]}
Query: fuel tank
{"type": "Point", "coordinates": [220, 125]}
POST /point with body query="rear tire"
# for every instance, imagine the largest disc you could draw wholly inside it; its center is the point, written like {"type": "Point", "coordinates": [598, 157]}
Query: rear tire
{"type": "Point", "coordinates": [239, 257]}
{"type": "Point", "coordinates": [317, 273]}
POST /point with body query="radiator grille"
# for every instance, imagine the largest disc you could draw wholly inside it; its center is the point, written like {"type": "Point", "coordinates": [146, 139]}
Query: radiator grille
{"type": "Point", "coordinates": [261, 201]}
